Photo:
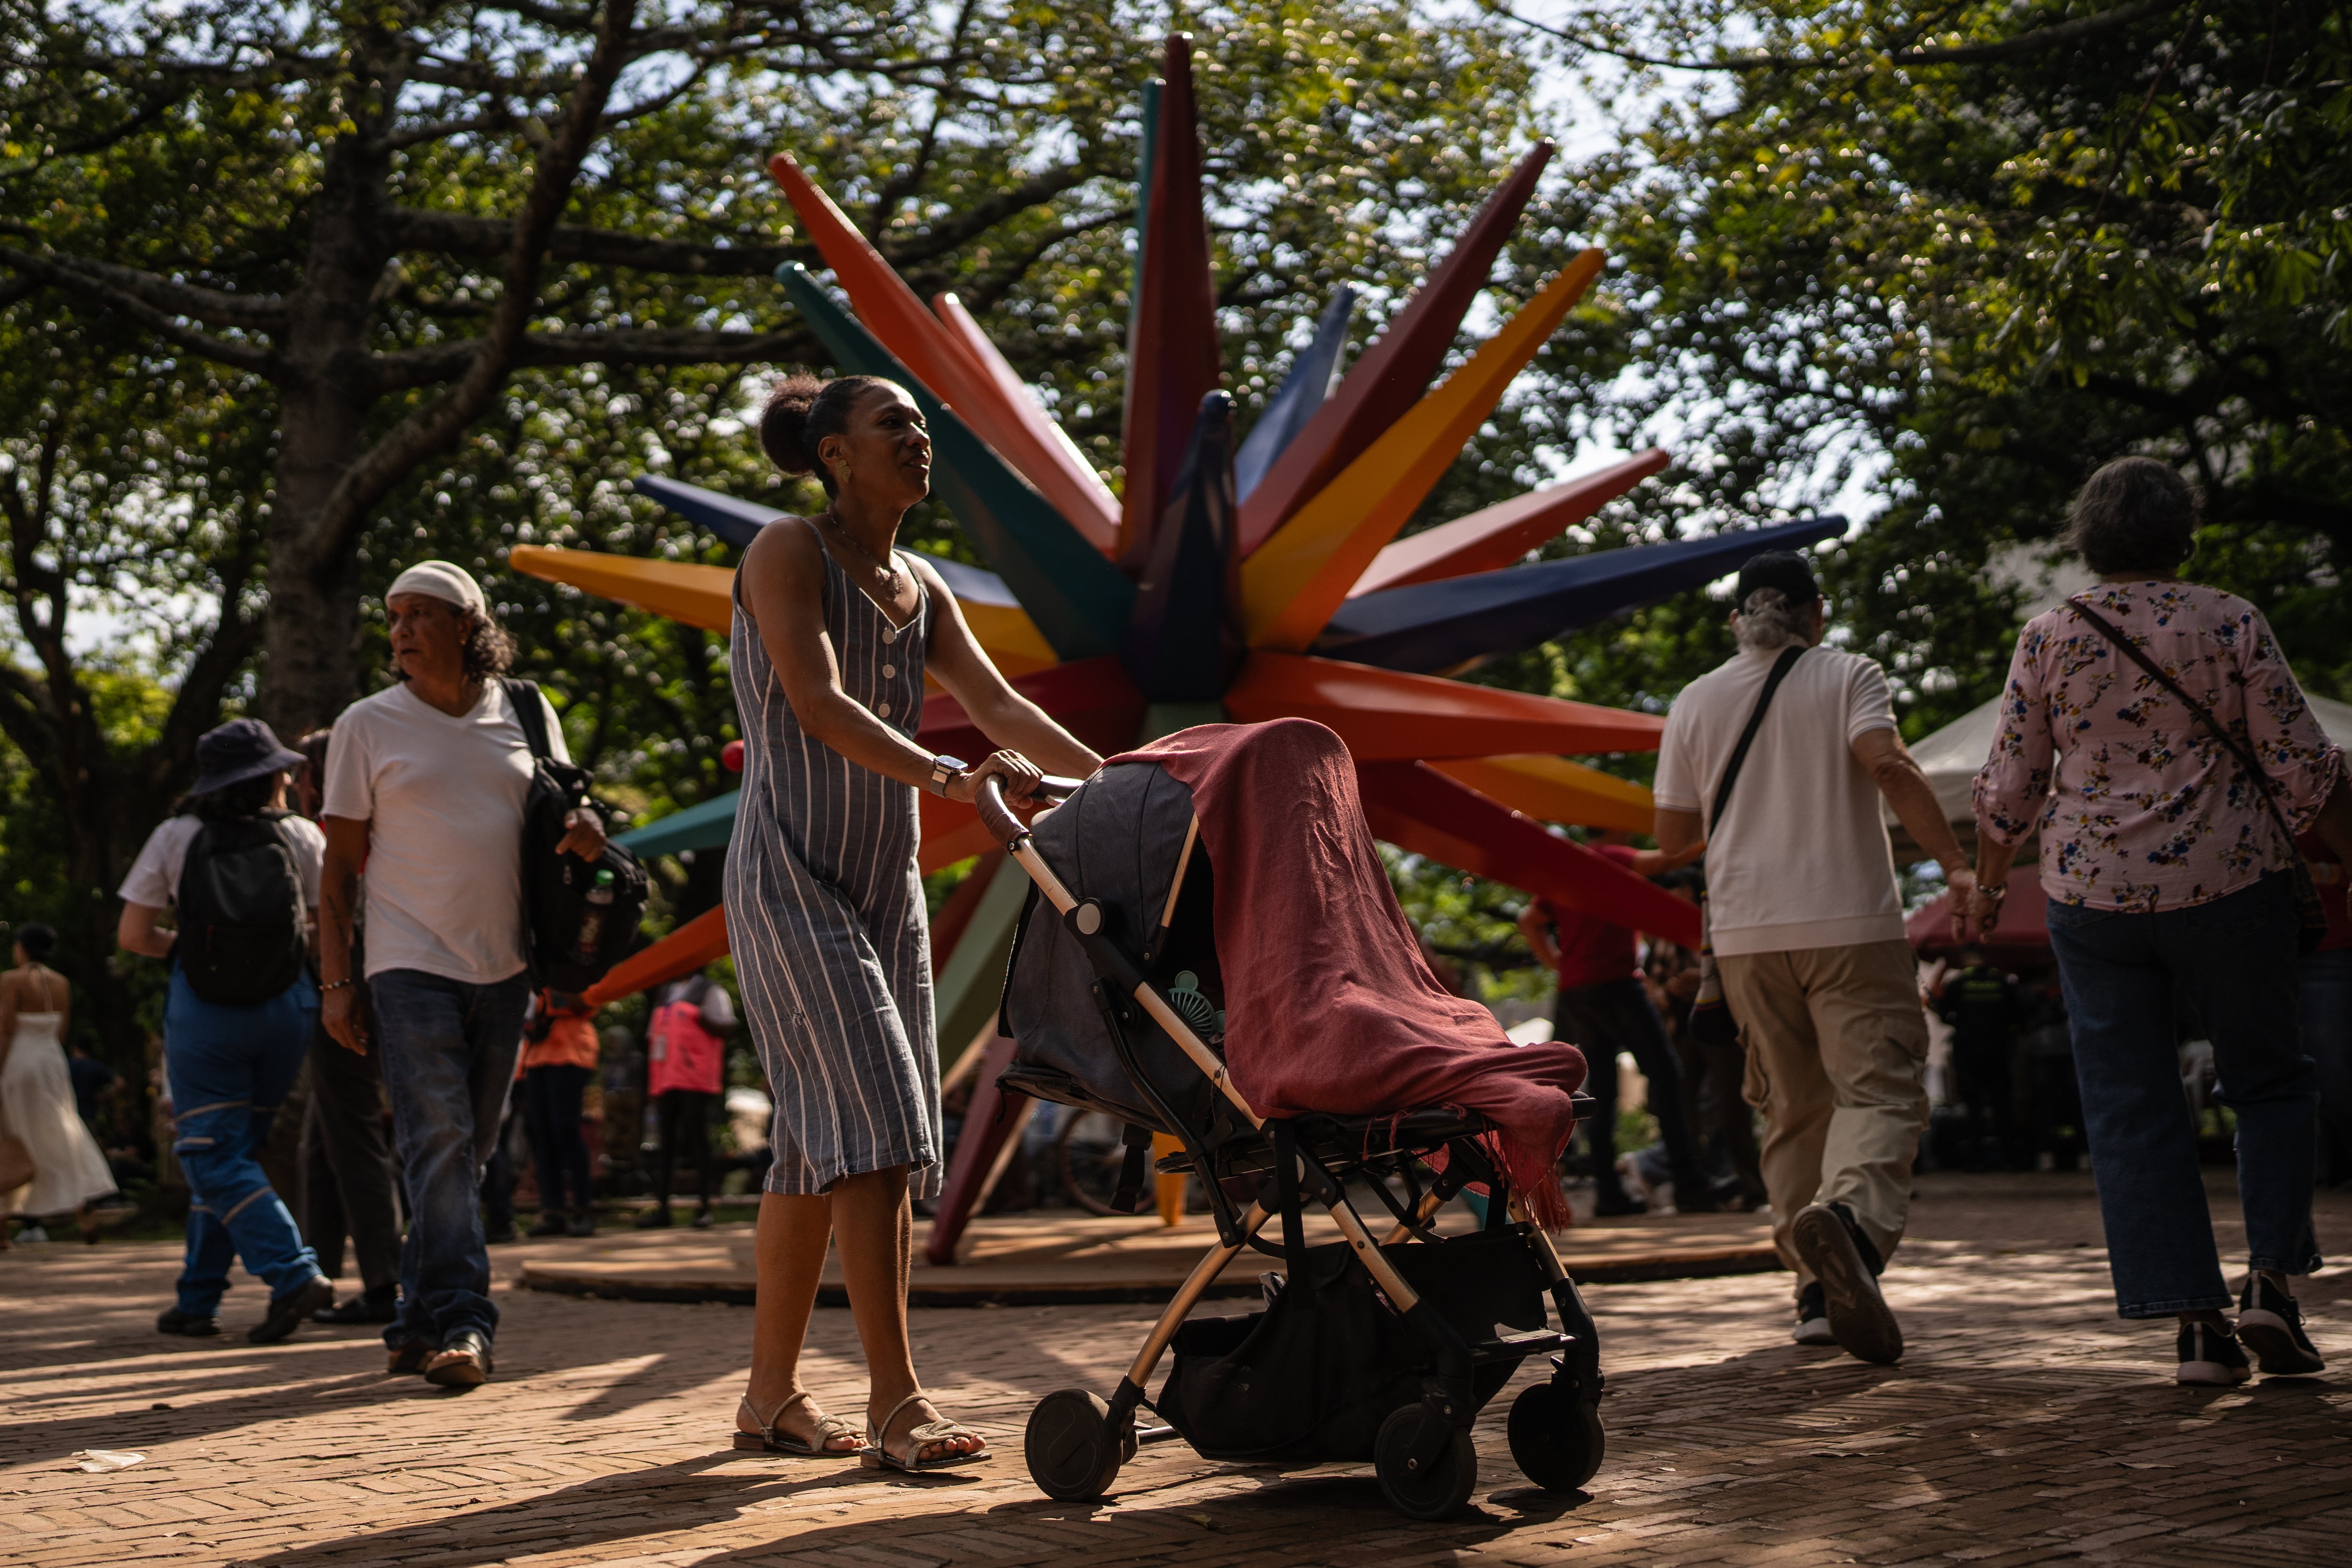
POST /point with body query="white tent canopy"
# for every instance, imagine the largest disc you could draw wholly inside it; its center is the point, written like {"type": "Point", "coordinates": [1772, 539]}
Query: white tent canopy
{"type": "Point", "coordinates": [1952, 755]}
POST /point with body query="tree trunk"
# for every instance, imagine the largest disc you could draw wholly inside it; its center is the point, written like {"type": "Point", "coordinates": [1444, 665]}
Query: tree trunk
{"type": "Point", "coordinates": [311, 628]}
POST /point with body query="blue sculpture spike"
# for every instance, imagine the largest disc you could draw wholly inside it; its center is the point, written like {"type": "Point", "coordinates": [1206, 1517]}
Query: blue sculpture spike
{"type": "Point", "coordinates": [1078, 599]}
{"type": "Point", "coordinates": [1184, 643]}
{"type": "Point", "coordinates": [735, 520]}
{"type": "Point", "coordinates": [1303, 392]}
{"type": "Point", "coordinates": [1434, 626]}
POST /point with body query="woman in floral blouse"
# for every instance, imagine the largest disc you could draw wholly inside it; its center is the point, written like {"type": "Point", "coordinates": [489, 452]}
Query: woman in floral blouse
{"type": "Point", "coordinates": [2167, 876]}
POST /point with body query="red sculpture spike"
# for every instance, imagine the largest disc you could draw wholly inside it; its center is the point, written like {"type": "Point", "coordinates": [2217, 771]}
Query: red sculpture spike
{"type": "Point", "coordinates": [1395, 370]}
{"type": "Point", "coordinates": [1496, 536]}
{"type": "Point", "coordinates": [1174, 339]}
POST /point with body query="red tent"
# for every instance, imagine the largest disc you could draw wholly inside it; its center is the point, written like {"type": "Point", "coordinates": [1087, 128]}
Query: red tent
{"type": "Point", "coordinates": [2021, 937]}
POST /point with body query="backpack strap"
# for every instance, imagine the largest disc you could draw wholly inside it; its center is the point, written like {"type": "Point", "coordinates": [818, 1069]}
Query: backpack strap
{"type": "Point", "coordinates": [523, 698]}
{"type": "Point", "coordinates": [1780, 668]}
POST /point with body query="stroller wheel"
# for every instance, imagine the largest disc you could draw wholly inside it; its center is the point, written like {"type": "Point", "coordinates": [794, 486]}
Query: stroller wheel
{"type": "Point", "coordinates": [1556, 1438]}
{"type": "Point", "coordinates": [1435, 1491]}
{"type": "Point", "coordinates": [1073, 1454]}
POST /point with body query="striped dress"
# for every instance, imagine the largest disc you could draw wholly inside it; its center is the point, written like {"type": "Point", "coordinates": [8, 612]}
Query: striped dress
{"type": "Point", "coordinates": [825, 911]}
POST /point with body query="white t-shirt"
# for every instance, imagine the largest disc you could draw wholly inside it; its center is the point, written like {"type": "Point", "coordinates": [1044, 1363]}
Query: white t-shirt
{"type": "Point", "coordinates": [442, 797]}
{"type": "Point", "coordinates": [154, 879]}
{"type": "Point", "coordinates": [1801, 858]}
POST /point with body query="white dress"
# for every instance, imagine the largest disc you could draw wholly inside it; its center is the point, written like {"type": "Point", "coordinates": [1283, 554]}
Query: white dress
{"type": "Point", "coordinates": [37, 1104]}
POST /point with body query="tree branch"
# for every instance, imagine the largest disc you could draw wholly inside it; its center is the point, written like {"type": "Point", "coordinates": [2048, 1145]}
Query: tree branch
{"type": "Point", "coordinates": [2056, 35]}
{"type": "Point", "coordinates": [618, 346]}
{"type": "Point", "coordinates": [79, 276]}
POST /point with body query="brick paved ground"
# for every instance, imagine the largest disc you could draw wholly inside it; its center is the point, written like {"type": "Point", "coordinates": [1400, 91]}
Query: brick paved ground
{"type": "Point", "coordinates": [2026, 1426]}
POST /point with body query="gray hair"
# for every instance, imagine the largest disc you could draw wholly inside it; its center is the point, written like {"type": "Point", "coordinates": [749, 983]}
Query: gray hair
{"type": "Point", "coordinates": [1768, 622]}
{"type": "Point", "coordinates": [2134, 514]}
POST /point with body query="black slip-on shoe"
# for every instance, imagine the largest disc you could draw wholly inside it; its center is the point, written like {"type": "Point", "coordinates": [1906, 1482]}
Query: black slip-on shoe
{"type": "Point", "coordinates": [500, 1234]}
{"type": "Point", "coordinates": [463, 1363]}
{"type": "Point", "coordinates": [408, 1358]}
{"type": "Point", "coordinates": [379, 1306]}
{"type": "Point", "coordinates": [1812, 1317]}
{"type": "Point", "coordinates": [190, 1325]}
{"type": "Point", "coordinates": [1865, 1326]}
{"type": "Point", "coordinates": [654, 1220]}
{"type": "Point", "coordinates": [2270, 1325]}
{"type": "Point", "coordinates": [2210, 1357]}
{"type": "Point", "coordinates": [582, 1223]}
{"type": "Point", "coordinates": [549, 1223]}
{"type": "Point", "coordinates": [287, 1311]}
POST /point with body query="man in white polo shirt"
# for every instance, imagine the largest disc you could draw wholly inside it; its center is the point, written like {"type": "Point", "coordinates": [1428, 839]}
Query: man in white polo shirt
{"type": "Point", "coordinates": [425, 789]}
{"type": "Point", "coordinates": [1806, 921]}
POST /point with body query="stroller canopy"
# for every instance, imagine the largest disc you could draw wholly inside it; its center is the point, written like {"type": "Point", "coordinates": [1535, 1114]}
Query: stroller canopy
{"type": "Point", "coordinates": [1330, 1005]}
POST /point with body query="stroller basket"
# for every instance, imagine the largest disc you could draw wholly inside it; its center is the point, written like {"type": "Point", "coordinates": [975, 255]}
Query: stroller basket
{"type": "Point", "coordinates": [1381, 1347]}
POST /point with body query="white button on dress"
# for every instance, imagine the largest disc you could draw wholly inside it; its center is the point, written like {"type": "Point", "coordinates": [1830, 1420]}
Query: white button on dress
{"type": "Point", "coordinates": [883, 709]}
{"type": "Point", "coordinates": [889, 671]}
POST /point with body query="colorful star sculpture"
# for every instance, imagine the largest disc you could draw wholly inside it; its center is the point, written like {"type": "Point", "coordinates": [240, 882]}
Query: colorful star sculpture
{"type": "Point", "coordinates": [1227, 582]}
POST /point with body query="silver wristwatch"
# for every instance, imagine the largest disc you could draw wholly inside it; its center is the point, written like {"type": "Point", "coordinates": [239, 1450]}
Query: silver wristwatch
{"type": "Point", "coordinates": [944, 770]}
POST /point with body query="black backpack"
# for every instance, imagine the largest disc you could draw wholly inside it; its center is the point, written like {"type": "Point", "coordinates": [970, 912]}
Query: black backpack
{"type": "Point", "coordinates": [575, 935]}
{"type": "Point", "coordinates": [240, 910]}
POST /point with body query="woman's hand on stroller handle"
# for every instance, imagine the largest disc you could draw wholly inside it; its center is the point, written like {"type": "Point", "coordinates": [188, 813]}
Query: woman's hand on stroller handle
{"type": "Point", "coordinates": [1008, 779]}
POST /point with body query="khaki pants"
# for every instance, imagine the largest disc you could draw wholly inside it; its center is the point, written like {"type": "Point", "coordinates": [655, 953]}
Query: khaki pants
{"type": "Point", "coordinates": [1837, 1049]}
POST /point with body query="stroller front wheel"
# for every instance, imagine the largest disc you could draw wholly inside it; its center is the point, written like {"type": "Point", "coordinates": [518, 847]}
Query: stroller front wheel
{"type": "Point", "coordinates": [1432, 1491]}
{"type": "Point", "coordinates": [1556, 1438]}
{"type": "Point", "coordinates": [1073, 1454]}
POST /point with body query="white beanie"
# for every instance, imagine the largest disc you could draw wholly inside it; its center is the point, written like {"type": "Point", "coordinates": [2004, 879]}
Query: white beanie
{"type": "Point", "coordinates": [440, 579]}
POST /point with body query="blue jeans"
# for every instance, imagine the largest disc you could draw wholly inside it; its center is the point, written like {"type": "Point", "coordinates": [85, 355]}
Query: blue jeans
{"type": "Point", "coordinates": [2234, 960]}
{"type": "Point", "coordinates": [448, 1058]}
{"type": "Point", "coordinates": [2327, 1035]}
{"type": "Point", "coordinates": [227, 1070]}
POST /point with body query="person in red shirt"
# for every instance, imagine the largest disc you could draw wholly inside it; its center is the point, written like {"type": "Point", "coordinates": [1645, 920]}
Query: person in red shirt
{"type": "Point", "coordinates": [1603, 1009]}
{"type": "Point", "coordinates": [2324, 986]}
{"type": "Point", "coordinates": [685, 1058]}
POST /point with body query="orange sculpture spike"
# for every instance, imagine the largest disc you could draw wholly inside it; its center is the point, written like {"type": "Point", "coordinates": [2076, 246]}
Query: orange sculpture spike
{"type": "Point", "coordinates": [698, 943]}
{"type": "Point", "coordinates": [1415, 808]}
{"type": "Point", "coordinates": [1396, 370]}
{"type": "Point", "coordinates": [1494, 537]}
{"type": "Point", "coordinates": [1554, 789]}
{"type": "Point", "coordinates": [1294, 582]}
{"type": "Point", "coordinates": [1051, 460]}
{"type": "Point", "coordinates": [685, 592]}
{"type": "Point", "coordinates": [1384, 714]}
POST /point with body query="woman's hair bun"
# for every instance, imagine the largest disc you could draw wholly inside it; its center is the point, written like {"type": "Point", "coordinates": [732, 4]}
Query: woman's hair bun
{"type": "Point", "coordinates": [784, 424]}
{"type": "Point", "coordinates": [37, 940]}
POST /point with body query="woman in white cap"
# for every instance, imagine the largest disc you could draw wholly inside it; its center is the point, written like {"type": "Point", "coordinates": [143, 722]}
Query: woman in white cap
{"type": "Point", "coordinates": [834, 630]}
{"type": "Point", "coordinates": [242, 875]}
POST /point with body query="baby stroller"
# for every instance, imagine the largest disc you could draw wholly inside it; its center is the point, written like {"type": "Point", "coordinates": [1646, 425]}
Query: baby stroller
{"type": "Point", "coordinates": [1379, 1346]}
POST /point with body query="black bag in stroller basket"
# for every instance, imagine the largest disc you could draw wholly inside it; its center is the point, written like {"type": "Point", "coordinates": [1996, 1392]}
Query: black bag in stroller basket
{"type": "Point", "coordinates": [1312, 1378]}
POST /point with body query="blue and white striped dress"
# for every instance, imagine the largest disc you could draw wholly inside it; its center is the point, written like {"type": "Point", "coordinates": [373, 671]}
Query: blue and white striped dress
{"type": "Point", "coordinates": [825, 910]}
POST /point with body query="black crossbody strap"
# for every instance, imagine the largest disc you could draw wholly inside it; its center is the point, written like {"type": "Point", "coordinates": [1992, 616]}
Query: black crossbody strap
{"type": "Point", "coordinates": [1780, 668]}
{"type": "Point", "coordinates": [2246, 759]}
{"type": "Point", "coordinates": [524, 696]}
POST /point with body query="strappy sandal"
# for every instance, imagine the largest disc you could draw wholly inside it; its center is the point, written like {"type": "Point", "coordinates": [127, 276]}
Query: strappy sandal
{"type": "Point", "coordinates": [768, 1440]}
{"type": "Point", "coordinates": [877, 1456]}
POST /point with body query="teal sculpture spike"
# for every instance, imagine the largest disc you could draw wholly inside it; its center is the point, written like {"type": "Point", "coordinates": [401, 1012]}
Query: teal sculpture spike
{"type": "Point", "coordinates": [1185, 642]}
{"type": "Point", "coordinates": [1150, 139]}
{"type": "Point", "coordinates": [1303, 392]}
{"type": "Point", "coordinates": [1078, 599]}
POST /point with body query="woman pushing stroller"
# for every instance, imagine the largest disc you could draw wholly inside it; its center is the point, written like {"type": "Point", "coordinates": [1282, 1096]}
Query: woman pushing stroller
{"type": "Point", "coordinates": [835, 629]}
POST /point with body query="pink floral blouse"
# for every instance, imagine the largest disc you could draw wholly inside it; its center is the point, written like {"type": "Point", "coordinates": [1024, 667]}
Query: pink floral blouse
{"type": "Point", "coordinates": [2138, 807]}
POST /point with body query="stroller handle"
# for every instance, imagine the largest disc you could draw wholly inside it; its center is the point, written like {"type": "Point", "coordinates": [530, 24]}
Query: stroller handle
{"type": "Point", "coordinates": [998, 817]}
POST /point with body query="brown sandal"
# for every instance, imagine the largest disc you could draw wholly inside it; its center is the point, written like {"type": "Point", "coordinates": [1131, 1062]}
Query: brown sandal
{"type": "Point", "coordinates": [877, 1456]}
{"type": "Point", "coordinates": [768, 1440]}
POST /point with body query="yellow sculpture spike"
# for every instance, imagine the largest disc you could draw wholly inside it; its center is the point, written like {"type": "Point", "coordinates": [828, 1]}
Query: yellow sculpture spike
{"type": "Point", "coordinates": [1554, 789]}
{"type": "Point", "coordinates": [1292, 583]}
{"type": "Point", "coordinates": [703, 596]}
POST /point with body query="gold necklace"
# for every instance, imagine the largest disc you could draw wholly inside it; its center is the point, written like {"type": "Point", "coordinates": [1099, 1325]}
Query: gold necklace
{"type": "Point", "coordinates": [890, 573]}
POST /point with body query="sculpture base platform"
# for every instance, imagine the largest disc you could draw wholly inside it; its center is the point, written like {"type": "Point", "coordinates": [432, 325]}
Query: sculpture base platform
{"type": "Point", "coordinates": [1061, 1256]}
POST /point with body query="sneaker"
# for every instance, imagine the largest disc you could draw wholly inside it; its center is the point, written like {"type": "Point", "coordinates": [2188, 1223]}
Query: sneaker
{"type": "Point", "coordinates": [2271, 1325]}
{"type": "Point", "coordinates": [550, 1223]}
{"type": "Point", "coordinates": [1834, 1249]}
{"type": "Point", "coordinates": [702, 1218]}
{"type": "Point", "coordinates": [287, 1311]}
{"type": "Point", "coordinates": [1812, 1317]}
{"type": "Point", "coordinates": [463, 1363]}
{"type": "Point", "coordinates": [582, 1223]}
{"type": "Point", "coordinates": [2210, 1357]}
{"type": "Point", "coordinates": [654, 1220]}
{"type": "Point", "coordinates": [31, 1234]}
{"type": "Point", "coordinates": [1610, 1206]}
{"type": "Point", "coordinates": [498, 1235]}
{"type": "Point", "coordinates": [191, 1325]}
